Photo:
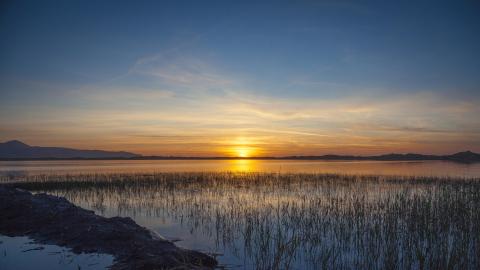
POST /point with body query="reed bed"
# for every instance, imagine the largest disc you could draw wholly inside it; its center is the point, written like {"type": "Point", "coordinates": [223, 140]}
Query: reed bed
{"type": "Point", "coordinates": [298, 221]}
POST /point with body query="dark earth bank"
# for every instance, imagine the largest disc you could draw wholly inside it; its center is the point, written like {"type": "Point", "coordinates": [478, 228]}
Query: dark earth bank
{"type": "Point", "coordinates": [54, 220]}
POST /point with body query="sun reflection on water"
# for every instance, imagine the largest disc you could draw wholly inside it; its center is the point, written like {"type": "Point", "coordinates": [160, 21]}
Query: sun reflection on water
{"type": "Point", "coordinates": [242, 165]}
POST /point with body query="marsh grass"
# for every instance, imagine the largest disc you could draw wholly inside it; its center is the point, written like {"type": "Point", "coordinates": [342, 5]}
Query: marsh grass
{"type": "Point", "coordinates": [299, 221]}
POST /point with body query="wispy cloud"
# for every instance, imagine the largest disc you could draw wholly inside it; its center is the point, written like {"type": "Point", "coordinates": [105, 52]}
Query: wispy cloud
{"type": "Point", "coordinates": [184, 105]}
{"type": "Point", "coordinates": [176, 70]}
{"type": "Point", "coordinates": [124, 94]}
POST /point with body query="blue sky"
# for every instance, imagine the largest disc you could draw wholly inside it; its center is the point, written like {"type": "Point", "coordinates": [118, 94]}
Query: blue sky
{"type": "Point", "coordinates": [271, 78]}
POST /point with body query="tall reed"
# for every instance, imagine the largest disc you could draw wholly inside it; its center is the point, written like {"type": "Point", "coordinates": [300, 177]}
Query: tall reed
{"type": "Point", "coordinates": [298, 221]}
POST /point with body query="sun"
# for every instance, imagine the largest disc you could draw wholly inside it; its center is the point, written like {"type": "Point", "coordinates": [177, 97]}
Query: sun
{"type": "Point", "coordinates": [241, 147]}
{"type": "Point", "coordinates": [243, 151]}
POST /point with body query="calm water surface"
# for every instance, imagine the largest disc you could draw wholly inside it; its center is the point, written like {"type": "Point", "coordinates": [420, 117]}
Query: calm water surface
{"type": "Point", "coordinates": [280, 221]}
{"type": "Point", "coordinates": [21, 253]}
{"type": "Point", "coordinates": [293, 221]}
{"type": "Point", "coordinates": [417, 168]}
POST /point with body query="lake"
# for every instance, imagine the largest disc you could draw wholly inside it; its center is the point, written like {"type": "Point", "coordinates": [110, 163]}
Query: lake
{"type": "Point", "coordinates": [410, 168]}
{"type": "Point", "coordinates": [22, 253]}
{"type": "Point", "coordinates": [264, 214]}
{"type": "Point", "coordinates": [292, 221]}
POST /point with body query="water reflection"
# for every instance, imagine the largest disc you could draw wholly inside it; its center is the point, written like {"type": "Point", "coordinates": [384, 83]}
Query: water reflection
{"type": "Point", "coordinates": [20, 253]}
{"type": "Point", "coordinates": [425, 168]}
{"type": "Point", "coordinates": [243, 165]}
{"type": "Point", "coordinates": [299, 221]}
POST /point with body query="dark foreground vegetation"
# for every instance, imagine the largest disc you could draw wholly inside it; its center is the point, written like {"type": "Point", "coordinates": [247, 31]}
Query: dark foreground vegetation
{"type": "Point", "coordinates": [54, 220]}
{"type": "Point", "coordinates": [299, 221]}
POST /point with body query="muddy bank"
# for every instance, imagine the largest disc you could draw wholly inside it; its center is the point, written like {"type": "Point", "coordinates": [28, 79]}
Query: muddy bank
{"type": "Point", "coordinates": [54, 220]}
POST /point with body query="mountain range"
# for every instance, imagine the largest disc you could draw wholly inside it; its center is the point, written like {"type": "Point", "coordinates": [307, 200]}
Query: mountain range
{"type": "Point", "coordinates": [19, 150]}
{"type": "Point", "coordinates": [15, 149]}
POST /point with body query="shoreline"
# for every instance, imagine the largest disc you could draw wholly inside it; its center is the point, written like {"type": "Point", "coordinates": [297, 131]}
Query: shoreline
{"type": "Point", "coordinates": [475, 158]}
{"type": "Point", "coordinates": [53, 220]}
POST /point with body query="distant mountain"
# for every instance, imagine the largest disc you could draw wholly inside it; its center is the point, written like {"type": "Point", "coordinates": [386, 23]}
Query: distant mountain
{"type": "Point", "coordinates": [408, 156]}
{"type": "Point", "coordinates": [19, 150]}
{"type": "Point", "coordinates": [463, 157]}
{"type": "Point", "coordinates": [466, 156]}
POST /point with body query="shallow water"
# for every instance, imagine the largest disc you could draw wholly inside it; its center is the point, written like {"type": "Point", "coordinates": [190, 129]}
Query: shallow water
{"type": "Point", "coordinates": [416, 168]}
{"type": "Point", "coordinates": [20, 253]}
{"type": "Point", "coordinates": [295, 221]}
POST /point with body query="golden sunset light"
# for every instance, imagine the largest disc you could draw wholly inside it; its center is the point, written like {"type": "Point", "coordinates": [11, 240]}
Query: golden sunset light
{"type": "Point", "coordinates": [242, 165]}
{"type": "Point", "coordinates": [255, 135]}
{"type": "Point", "coordinates": [243, 151]}
{"type": "Point", "coordinates": [242, 147]}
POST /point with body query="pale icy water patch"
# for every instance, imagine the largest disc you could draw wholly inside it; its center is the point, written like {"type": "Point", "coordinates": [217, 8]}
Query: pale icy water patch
{"type": "Point", "coordinates": [21, 253]}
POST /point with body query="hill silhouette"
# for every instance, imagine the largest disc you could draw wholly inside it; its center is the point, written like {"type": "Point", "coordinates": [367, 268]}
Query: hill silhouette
{"type": "Point", "coordinates": [15, 149]}
{"type": "Point", "coordinates": [18, 150]}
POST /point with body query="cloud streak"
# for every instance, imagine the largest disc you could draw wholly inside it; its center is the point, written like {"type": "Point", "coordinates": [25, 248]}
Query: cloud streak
{"type": "Point", "coordinates": [177, 105]}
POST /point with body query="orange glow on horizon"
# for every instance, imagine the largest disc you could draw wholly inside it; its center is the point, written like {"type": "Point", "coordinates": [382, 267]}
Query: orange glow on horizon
{"type": "Point", "coordinates": [241, 147]}
{"type": "Point", "coordinates": [243, 152]}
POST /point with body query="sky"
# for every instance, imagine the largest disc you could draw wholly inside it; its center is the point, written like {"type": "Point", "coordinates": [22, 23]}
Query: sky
{"type": "Point", "coordinates": [240, 78]}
